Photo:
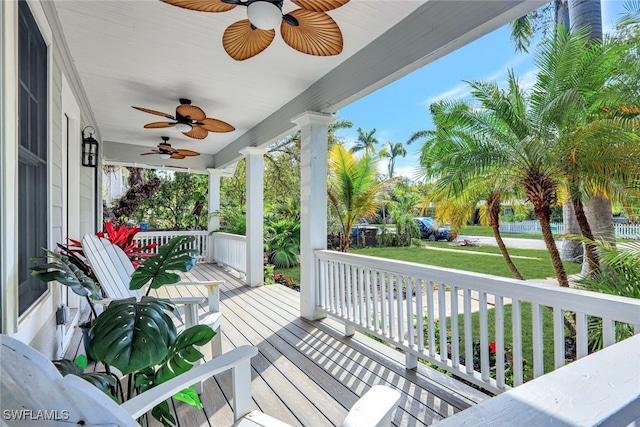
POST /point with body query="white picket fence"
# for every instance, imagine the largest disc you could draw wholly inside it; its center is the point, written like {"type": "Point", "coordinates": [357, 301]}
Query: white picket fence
{"type": "Point", "coordinates": [162, 237]}
{"type": "Point", "coordinates": [230, 249]}
{"type": "Point", "coordinates": [624, 231]}
{"type": "Point", "coordinates": [425, 310]}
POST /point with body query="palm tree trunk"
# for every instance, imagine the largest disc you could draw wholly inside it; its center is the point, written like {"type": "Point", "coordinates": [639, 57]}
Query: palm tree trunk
{"type": "Point", "coordinates": [571, 249]}
{"type": "Point", "coordinates": [545, 225]}
{"type": "Point", "coordinates": [592, 257]}
{"type": "Point", "coordinates": [583, 13]}
{"type": "Point", "coordinates": [493, 203]}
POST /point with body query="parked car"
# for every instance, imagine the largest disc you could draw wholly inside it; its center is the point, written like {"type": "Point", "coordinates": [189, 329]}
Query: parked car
{"type": "Point", "coordinates": [432, 230]}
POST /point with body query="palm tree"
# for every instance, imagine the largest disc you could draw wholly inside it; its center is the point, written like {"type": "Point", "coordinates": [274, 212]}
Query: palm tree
{"type": "Point", "coordinates": [393, 151]}
{"type": "Point", "coordinates": [457, 199]}
{"type": "Point", "coordinates": [335, 126]}
{"type": "Point", "coordinates": [352, 189]}
{"type": "Point", "coordinates": [366, 141]}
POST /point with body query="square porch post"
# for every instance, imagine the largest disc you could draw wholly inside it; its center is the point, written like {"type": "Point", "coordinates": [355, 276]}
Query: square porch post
{"type": "Point", "coordinates": [255, 217]}
{"type": "Point", "coordinates": [314, 129]}
{"type": "Point", "coordinates": [214, 206]}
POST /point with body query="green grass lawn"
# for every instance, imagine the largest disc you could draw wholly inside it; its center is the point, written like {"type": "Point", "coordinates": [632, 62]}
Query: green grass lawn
{"type": "Point", "coordinates": [527, 335]}
{"type": "Point", "coordinates": [530, 268]}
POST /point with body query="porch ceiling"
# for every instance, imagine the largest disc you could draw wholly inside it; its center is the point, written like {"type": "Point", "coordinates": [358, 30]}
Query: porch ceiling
{"type": "Point", "coordinates": [147, 53]}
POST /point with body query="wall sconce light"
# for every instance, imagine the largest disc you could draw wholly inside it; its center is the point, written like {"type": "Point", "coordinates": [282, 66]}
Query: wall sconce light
{"type": "Point", "coordinates": [89, 148]}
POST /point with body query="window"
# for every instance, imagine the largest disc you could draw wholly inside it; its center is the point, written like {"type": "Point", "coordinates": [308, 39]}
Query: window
{"type": "Point", "coordinates": [32, 155]}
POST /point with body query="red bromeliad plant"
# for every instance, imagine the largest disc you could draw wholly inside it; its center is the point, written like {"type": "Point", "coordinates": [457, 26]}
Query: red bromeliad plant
{"type": "Point", "coordinates": [123, 237]}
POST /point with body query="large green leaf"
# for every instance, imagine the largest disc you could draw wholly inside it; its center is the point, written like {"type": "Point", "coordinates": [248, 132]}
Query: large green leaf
{"type": "Point", "coordinates": [157, 270]}
{"type": "Point", "coordinates": [100, 380]}
{"type": "Point", "coordinates": [63, 271]}
{"type": "Point", "coordinates": [133, 335]}
{"type": "Point", "coordinates": [183, 353]}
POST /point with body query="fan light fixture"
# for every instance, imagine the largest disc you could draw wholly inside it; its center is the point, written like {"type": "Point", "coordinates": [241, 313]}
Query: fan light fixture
{"type": "Point", "coordinates": [264, 15]}
{"type": "Point", "coordinates": [183, 127]}
{"type": "Point", "coordinates": [164, 156]}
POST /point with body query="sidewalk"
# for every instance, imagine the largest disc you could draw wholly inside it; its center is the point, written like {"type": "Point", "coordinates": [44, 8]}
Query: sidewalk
{"type": "Point", "coordinates": [511, 242]}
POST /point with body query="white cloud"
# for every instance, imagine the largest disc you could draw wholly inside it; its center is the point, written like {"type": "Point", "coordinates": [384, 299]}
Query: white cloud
{"type": "Point", "coordinates": [528, 79]}
{"type": "Point", "coordinates": [462, 90]}
{"type": "Point", "coordinates": [458, 92]}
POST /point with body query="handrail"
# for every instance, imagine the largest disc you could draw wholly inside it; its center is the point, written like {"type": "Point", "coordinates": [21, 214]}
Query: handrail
{"type": "Point", "coordinates": [371, 293]}
{"type": "Point", "coordinates": [162, 237]}
{"type": "Point", "coordinates": [230, 250]}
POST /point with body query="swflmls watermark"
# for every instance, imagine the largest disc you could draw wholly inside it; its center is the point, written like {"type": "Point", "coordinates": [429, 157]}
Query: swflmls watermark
{"type": "Point", "coordinates": [35, 415]}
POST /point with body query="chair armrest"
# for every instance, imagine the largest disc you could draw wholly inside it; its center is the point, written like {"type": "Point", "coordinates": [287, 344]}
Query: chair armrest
{"type": "Point", "coordinates": [374, 409]}
{"type": "Point", "coordinates": [213, 287]}
{"type": "Point", "coordinates": [238, 360]}
{"type": "Point", "coordinates": [187, 300]}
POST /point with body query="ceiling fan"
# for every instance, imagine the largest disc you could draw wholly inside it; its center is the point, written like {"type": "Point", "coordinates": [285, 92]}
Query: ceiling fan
{"type": "Point", "coordinates": [308, 29]}
{"type": "Point", "coordinates": [166, 151]}
{"type": "Point", "coordinates": [190, 120]}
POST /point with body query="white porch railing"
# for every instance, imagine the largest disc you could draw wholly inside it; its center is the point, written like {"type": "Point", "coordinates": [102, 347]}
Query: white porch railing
{"type": "Point", "coordinates": [435, 321]}
{"type": "Point", "coordinates": [230, 250]}
{"type": "Point", "coordinates": [623, 231]}
{"type": "Point", "coordinates": [162, 237]}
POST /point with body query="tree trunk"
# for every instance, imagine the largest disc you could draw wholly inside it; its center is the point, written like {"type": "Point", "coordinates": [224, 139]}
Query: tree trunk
{"type": "Point", "coordinates": [545, 225]}
{"type": "Point", "coordinates": [562, 14]}
{"type": "Point", "coordinates": [586, 13]}
{"type": "Point", "coordinates": [598, 212]}
{"type": "Point", "coordinates": [571, 249]}
{"type": "Point", "coordinates": [592, 259]}
{"type": "Point", "coordinates": [493, 203]}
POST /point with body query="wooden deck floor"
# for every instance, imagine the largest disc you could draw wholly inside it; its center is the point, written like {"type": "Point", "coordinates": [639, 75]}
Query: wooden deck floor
{"type": "Point", "coordinates": [307, 373]}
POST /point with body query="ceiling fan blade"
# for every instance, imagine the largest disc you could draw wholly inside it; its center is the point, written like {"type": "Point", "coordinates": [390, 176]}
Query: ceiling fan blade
{"type": "Point", "coordinates": [242, 42]}
{"type": "Point", "coordinates": [177, 156]}
{"type": "Point", "coordinates": [196, 132]}
{"type": "Point", "coordinates": [158, 125]}
{"type": "Point", "coordinates": [157, 113]}
{"type": "Point", "coordinates": [320, 5]}
{"type": "Point", "coordinates": [152, 152]}
{"type": "Point", "coordinates": [186, 152]}
{"type": "Point", "coordinates": [166, 147]}
{"type": "Point", "coordinates": [202, 5]}
{"type": "Point", "coordinates": [191, 111]}
{"type": "Point", "coordinates": [316, 33]}
{"type": "Point", "coordinates": [215, 125]}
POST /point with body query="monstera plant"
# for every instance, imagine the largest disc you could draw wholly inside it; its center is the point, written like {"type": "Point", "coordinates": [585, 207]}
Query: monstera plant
{"type": "Point", "coordinates": [139, 338]}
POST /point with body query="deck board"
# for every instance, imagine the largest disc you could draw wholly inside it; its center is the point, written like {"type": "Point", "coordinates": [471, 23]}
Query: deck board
{"type": "Point", "coordinates": [306, 372]}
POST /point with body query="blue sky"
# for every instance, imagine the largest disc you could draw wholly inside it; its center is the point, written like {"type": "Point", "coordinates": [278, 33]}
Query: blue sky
{"type": "Point", "coordinates": [401, 108]}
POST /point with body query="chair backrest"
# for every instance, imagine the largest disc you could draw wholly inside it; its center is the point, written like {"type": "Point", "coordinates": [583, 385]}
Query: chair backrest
{"type": "Point", "coordinates": [111, 266]}
{"type": "Point", "coordinates": [31, 388]}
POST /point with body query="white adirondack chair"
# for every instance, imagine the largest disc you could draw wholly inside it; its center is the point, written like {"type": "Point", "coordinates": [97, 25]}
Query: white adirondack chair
{"type": "Point", "coordinates": [31, 386]}
{"type": "Point", "coordinates": [113, 269]}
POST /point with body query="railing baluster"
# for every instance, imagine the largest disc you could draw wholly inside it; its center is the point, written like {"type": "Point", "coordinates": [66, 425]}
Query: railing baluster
{"type": "Point", "coordinates": [400, 293]}
{"type": "Point", "coordinates": [411, 331]}
{"type": "Point", "coordinates": [420, 313]}
{"type": "Point", "coordinates": [468, 332]}
{"type": "Point", "coordinates": [455, 333]}
{"type": "Point", "coordinates": [581, 335]}
{"type": "Point", "coordinates": [322, 267]}
{"type": "Point", "coordinates": [538, 342]}
{"type": "Point", "coordinates": [608, 332]}
{"type": "Point", "coordinates": [431, 320]}
{"type": "Point", "coordinates": [516, 325]}
{"type": "Point", "coordinates": [361, 307]}
{"type": "Point", "coordinates": [342, 291]}
{"type": "Point", "coordinates": [442, 315]}
{"type": "Point", "coordinates": [369, 302]}
{"type": "Point", "coordinates": [375, 282]}
{"type": "Point", "coordinates": [484, 337]}
{"type": "Point", "coordinates": [348, 294]}
{"type": "Point", "coordinates": [383, 303]}
{"type": "Point", "coordinates": [558, 337]}
{"type": "Point", "coordinates": [499, 340]}
{"type": "Point", "coordinates": [392, 310]}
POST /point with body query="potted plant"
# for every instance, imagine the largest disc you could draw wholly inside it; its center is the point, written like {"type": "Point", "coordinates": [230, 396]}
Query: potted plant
{"type": "Point", "coordinates": [139, 338]}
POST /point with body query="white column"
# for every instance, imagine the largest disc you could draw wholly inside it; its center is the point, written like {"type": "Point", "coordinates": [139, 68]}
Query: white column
{"type": "Point", "coordinates": [255, 218]}
{"type": "Point", "coordinates": [9, 233]}
{"type": "Point", "coordinates": [213, 208]}
{"type": "Point", "coordinates": [313, 203]}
